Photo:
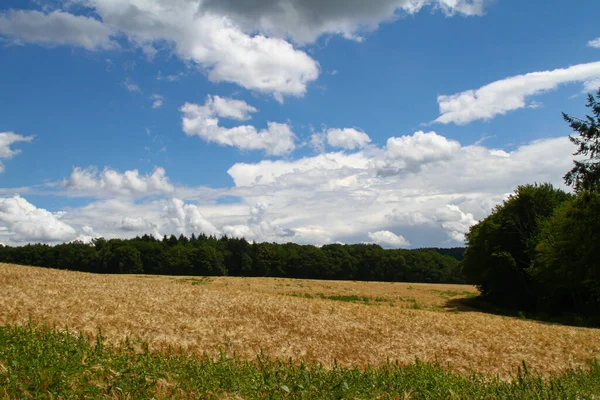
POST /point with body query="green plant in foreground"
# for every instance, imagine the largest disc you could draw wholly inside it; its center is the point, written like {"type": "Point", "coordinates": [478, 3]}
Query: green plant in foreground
{"type": "Point", "coordinates": [44, 363]}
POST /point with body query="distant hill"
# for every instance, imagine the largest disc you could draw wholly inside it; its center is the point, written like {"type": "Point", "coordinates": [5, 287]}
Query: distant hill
{"type": "Point", "coordinates": [455, 252]}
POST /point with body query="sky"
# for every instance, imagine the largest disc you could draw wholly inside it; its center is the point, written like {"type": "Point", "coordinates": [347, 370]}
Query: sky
{"type": "Point", "coordinates": [396, 122]}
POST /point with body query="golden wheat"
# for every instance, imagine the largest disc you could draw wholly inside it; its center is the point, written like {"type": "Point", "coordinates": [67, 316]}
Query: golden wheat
{"type": "Point", "coordinates": [249, 315]}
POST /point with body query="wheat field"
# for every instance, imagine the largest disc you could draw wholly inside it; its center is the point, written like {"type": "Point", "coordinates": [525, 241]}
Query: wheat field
{"type": "Point", "coordinates": [353, 323]}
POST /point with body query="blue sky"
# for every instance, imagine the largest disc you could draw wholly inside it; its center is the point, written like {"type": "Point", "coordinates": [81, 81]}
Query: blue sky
{"type": "Point", "coordinates": [399, 122]}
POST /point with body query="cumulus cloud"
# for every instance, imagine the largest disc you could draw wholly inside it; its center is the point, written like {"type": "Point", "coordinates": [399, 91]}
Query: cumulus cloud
{"type": "Point", "coordinates": [214, 42]}
{"type": "Point", "coordinates": [346, 195]}
{"type": "Point", "coordinates": [388, 239]}
{"type": "Point", "coordinates": [231, 40]}
{"type": "Point", "coordinates": [305, 20]}
{"type": "Point", "coordinates": [455, 222]}
{"type": "Point", "coordinates": [500, 97]}
{"type": "Point", "coordinates": [413, 151]}
{"type": "Point", "coordinates": [137, 224]}
{"type": "Point", "coordinates": [56, 28]}
{"type": "Point", "coordinates": [203, 121]}
{"type": "Point", "coordinates": [226, 53]}
{"type": "Point", "coordinates": [284, 173]}
{"type": "Point", "coordinates": [594, 43]}
{"type": "Point", "coordinates": [409, 218]}
{"type": "Point", "coordinates": [347, 138]}
{"type": "Point", "coordinates": [186, 219]}
{"type": "Point", "coordinates": [262, 227]}
{"type": "Point", "coordinates": [7, 139]}
{"type": "Point", "coordinates": [27, 223]}
{"type": "Point", "coordinates": [331, 197]}
{"type": "Point", "coordinates": [90, 181]}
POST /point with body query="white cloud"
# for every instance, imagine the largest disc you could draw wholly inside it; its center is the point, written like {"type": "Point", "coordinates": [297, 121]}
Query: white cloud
{"type": "Point", "coordinates": [388, 239]}
{"type": "Point", "coordinates": [284, 173]}
{"type": "Point", "coordinates": [305, 20]}
{"type": "Point", "coordinates": [132, 86]}
{"type": "Point", "coordinates": [214, 42]}
{"type": "Point", "coordinates": [499, 153]}
{"type": "Point", "coordinates": [409, 218]}
{"type": "Point", "coordinates": [261, 226]}
{"type": "Point", "coordinates": [157, 100]}
{"type": "Point", "coordinates": [317, 142]}
{"type": "Point", "coordinates": [509, 94]}
{"type": "Point", "coordinates": [347, 138]}
{"type": "Point", "coordinates": [87, 234]}
{"type": "Point", "coordinates": [229, 108]}
{"type": "Point", "coordinates": [455, 222]}
{"type": "Point", "coordinates": [277, 139]}
{"type": "Point", "coordinates": [89, 181]}
{"type": "Point", "coordinates": [329, 197]}
{"type": "Point", "coordinates": [137, 224]}
{"type": "Point", "coordinates": [55, 28]}
{"type": "Point", "coordinates": [230, 40]}
{"type": "Point", "coordinates": [412, 152]}
{"type": "Point", "coordinates": [186, 219]}
{"type": "Point", "coordinates": [7, 139]}
{"type": "Point", "coordinates": [346, 195]}
{"type": "Point", "coordinates": [27, 223]}
{"type": "Point", "coordinates": [592, 85]}
{"type": "Point", "coordinates": [594, 43]}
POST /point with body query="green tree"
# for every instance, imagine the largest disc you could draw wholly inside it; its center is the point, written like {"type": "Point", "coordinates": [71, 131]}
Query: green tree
{"type": "Point", "coordinates": [208, 261]}
{"type": "Point", "coordinates": [585, 175]}
{"type": "Point", "coordinates": [567, 265]}
{"type": "Point", "coordinates": [179, 260]}
{"type": "Point", "coordinates": [267, 263]}
{"type": "Point", "coordinates": [126, 259]}
{"type": "Point", "coordinates": [502, 246]}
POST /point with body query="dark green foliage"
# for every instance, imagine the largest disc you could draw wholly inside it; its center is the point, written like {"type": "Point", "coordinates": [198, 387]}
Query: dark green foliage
{"type": "Point", "coordinates": [456, 252]}
{"type": "Point", "coordinates": [501, 247]}
{"type": "Point", "coordinates": [585, 175]}
{"type": "Point", "coordinates": [539, 251]}
{"type": "Point", "coordinates": [209, 256]}
{"type": "Point", "coordinates": [45, 364]}
{"type": "Point", "coordinates": [567, 265]}
{"type": "Point", "coordinates": [125, 259]}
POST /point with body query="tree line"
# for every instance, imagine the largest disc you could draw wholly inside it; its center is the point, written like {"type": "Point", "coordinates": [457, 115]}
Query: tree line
{"type": "Point", "coordinates": [540, 249]}
{"type": "Point", "coordinates": [211, 256]}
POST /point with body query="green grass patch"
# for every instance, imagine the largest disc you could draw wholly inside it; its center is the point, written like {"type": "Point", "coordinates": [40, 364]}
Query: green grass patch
{"type": "Point", "coordinates": [202, 280]}
{"type": "Point", "coordinates": [346, 298]}
{"type": "Point", "coordinates": [44, 363]}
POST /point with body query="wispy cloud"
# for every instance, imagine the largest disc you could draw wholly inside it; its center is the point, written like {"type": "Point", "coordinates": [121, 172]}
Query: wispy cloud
{"type": "Point", "coordinates": [132, 86]}
{"type": "Point", "coordinates": [500, 97]}
{"type": "Point", "coordinates": [157, 100]}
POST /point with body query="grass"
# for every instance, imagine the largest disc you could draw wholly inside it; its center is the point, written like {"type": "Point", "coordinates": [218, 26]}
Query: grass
{"type": "Point", "coordinates": [346, 298]}
{"type": "Point", "coordinates": [246, 316]}
{"type": "Point", "coordinates": [44, 363]}
{"type": "Point", "coordinates": [202, 280]}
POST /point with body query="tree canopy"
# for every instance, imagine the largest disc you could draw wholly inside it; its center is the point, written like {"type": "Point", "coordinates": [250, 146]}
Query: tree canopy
{"type": "Point", "coordinates": [585, 175]}
{"type": "Point", "coordinates": [500, 248]}
{"type": "Point", "coordinates": [540, 249]}
{"type": "Point", "coordinates": [210, 256]}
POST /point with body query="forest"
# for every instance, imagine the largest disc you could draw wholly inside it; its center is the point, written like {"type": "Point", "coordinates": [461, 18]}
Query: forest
{"type": "Point", "coordinates": [539, 250]}
{"type": "Point", "coordinates": [210, 256]}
